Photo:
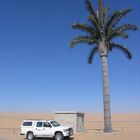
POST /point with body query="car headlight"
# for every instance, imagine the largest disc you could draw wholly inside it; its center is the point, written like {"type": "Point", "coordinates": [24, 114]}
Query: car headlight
{"type": "Point", "coordinates": [65, 130]}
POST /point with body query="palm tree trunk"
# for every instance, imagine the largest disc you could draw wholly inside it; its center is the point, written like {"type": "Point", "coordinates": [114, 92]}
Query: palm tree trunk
{"type": "Point", "coordinates": [106, 96]}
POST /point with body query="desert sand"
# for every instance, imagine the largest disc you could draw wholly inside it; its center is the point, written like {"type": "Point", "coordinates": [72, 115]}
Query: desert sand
{"type": "Point", "coordinates": [125, 126]}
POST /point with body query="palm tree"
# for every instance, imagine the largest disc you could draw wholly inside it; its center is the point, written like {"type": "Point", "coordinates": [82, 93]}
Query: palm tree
{"type": "Point", "coordinates": [101, 30]}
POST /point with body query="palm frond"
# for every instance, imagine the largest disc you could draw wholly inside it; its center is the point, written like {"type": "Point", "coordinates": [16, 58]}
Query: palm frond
{"type": "Point", "coordinates": [115, 18]}
{"type": "Point", "coordinates": [102, 28]}
{"type": "Point", "coordinates": [115, 34]}
{"type": "Point", "coordinates": [122, 48]}
{"type": "Point", "coordinates": [101, 12]}
{"type": "Point", "coordinates": [105, 12]}
{"type": "Point", "coordinates": [84, 27]}
{"type": "Point", "coordinates": [126, 27]}
{"type": "Point", "coordinates": [121, 15]}
{"type": "Point", "coordinates": [82, 39]}
{"type": "Point", "coordinates": [91, 10]}
{"type": "Point", "coordinates": [92, 54]}
{"type": "Point", "coordinates": [95, 24]}
{"type": "Point", "coordinates": [120, 31]}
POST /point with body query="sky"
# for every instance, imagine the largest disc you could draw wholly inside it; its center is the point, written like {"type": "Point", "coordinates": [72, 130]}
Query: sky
{"type": "Point", "coordinates": [39, 72]}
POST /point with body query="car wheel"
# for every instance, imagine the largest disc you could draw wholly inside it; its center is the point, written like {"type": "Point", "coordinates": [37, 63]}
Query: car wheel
{"type": "Point", "coordinates": [30, 136]}
{"type": "Point", "coordinates": [59, 136]}
{"type": "Point", "coordinates": [68, 138]}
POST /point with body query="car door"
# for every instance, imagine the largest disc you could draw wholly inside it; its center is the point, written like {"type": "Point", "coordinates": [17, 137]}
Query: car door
{"type": "Point", "coordinates": [43, 129]}
{"type": "Point", "coordinates": [47, 129]}
{"type": "Point", "coordinates": [39, 129]}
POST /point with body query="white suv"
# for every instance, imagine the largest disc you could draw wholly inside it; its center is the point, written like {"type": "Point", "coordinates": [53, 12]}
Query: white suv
{"type": "Point", "coordinates": [44, 129]}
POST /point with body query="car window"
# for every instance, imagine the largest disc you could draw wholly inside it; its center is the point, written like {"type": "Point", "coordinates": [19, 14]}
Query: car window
{"type": "Point", "coordinates": [39, 124]}
{"type": "Point", "coordinates": [46, 124]}
{"type": "Point", "coordinates": [27, 124]}
{"type": "Point", "coordinates": [54, 123]}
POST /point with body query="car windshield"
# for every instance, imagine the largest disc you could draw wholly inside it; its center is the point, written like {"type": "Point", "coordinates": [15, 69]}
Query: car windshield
{"type": "Point", "coordinates": [54, 123]}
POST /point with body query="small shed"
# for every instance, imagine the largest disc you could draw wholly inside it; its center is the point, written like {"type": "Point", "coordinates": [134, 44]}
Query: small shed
{"type": "Point", "coordinates": [73, 119]}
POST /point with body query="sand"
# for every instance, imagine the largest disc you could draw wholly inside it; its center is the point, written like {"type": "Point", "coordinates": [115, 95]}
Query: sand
{"type": "Point", "coordinates": [125, 126]}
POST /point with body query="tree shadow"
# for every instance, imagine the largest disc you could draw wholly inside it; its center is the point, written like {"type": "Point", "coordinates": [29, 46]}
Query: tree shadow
{"type": "Point", "coordinates": [96, 129]}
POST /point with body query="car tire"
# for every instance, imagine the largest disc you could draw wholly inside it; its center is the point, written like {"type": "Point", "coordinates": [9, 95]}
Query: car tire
{"type": "Point", "coordinates": [30, 136]}
{"type": "Point", "coordinates": [68, 138]}
{"type": "Point", "coordinates": [59, 136]}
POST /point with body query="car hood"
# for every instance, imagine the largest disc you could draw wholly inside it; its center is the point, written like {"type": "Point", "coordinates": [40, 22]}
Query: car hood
{"type": "Point", "coordinates": [63, 127]}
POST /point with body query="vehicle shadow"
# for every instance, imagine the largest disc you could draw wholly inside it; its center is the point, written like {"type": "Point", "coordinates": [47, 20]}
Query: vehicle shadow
{"type": "Point", "coordinates": [53, 139]}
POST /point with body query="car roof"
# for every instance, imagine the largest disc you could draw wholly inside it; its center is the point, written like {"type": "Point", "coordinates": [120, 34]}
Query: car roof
{"type": "Point", "coordinates": [27, 120]}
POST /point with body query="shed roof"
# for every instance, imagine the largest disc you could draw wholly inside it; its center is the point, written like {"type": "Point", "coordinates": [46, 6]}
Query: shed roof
{"type": "Point", "coordinates": [68, 112]}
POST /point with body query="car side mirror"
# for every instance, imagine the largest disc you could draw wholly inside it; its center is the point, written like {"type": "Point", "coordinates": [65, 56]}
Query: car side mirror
{"type": "Point", "coordinates": [50, 126]}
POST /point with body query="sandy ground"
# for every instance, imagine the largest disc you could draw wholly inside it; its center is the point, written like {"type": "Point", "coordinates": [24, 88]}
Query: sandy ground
{"type": "Point", "coordinates": [125, 126]}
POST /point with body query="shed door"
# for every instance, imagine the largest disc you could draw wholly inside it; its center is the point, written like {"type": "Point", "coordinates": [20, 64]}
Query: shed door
{"type": "Point", "coordinates": [80, 123]}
